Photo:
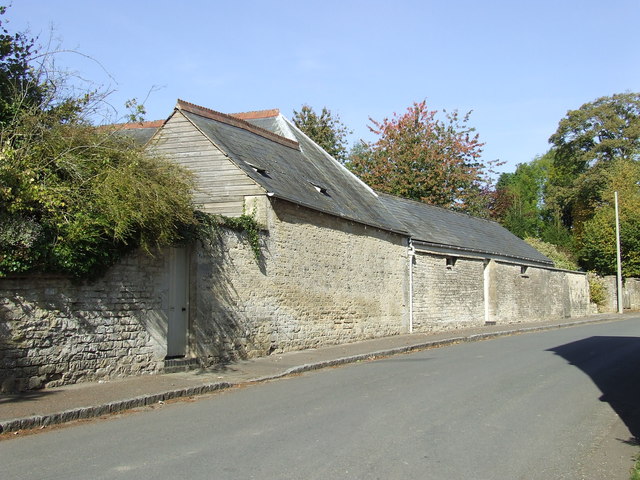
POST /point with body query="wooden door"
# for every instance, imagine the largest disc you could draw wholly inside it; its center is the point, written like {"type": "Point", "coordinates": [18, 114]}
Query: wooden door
{"type": "Point", "coordinates": [178, 302]}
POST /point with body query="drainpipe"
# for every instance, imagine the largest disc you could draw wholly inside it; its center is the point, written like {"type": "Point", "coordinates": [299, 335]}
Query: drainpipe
{"type": "Point", "coordinates": [411, 254]}
{"type": "Point", "coordinates": [486, 279]}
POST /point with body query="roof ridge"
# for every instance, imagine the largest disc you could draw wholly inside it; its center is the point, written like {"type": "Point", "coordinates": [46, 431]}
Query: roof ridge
{"type": "Point", "coordinates": [235, 122]}
{"type": "Point", "coordinates": [274, 112]}
{"type": "Point", "coordinates": [144, 124]}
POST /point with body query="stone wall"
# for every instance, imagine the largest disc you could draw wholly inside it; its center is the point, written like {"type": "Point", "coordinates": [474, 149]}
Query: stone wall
{"type": "Point", "coordinates": [457, 292]}
{"type": "Point", "coordinates": [322, 280]}
{"type": "Point", "coordinates": [536, 294]}
{"type": "Point", "coordinates": [630, 294]}
{"type": "Point", "coordinates": [55, 332]}
{"type": "Point", "coordinates": [447, 296]}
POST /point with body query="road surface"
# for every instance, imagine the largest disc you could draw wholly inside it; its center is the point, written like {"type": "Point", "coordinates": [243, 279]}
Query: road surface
{"type": "Point", "coordinates": [561, 404]}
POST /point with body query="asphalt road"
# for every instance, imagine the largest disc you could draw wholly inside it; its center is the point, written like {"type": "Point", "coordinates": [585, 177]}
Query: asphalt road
{"type": "Point", "coordinates": [560, 404]}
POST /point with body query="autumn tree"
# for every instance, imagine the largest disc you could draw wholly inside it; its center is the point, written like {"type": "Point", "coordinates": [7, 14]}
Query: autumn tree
{"type": "Point", "coordinates": [421, 157]}
{"type": "Point", "coordinates": [326, 129]}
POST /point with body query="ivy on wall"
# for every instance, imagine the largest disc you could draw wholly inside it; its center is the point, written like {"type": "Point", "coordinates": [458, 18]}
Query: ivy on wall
{"type": "Point", "coordinates": [209, 226]}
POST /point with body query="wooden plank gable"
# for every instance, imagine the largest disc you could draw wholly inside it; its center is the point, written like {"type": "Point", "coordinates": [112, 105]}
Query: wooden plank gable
{"type": "Point", "coordinates": [220, 185]}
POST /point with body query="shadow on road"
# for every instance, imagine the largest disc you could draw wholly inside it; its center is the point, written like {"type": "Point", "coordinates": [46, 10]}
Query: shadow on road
{"type": "Point", "coordinates": [613, 363]}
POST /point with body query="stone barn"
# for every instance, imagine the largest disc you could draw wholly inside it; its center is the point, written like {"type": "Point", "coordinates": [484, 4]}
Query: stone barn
{"type": "Point", "coordinates": [338, 263]}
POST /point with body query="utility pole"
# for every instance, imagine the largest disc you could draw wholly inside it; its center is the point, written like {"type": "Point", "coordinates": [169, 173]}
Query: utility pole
{"type": "Point", "coordinates": [619, 261]}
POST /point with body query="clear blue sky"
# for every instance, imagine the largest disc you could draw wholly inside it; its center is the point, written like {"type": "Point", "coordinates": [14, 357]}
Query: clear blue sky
{"type": "Point", "coordinates": [519, 65]}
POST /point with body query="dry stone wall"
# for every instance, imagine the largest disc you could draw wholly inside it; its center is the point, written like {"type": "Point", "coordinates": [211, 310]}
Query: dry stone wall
{"type": "Point", "coordinates": [55, 332]}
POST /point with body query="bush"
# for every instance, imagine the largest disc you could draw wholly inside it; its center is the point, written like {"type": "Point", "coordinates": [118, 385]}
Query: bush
{"type": "Point", "coordinates": [560, 258]}
{"type": "Point", "coordinates": [597, 290]}
{"type": "Point", "coordinates": [74, 198]}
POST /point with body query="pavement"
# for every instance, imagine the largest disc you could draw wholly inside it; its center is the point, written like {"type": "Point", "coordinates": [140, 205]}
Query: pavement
{"type": "Point", "coordinates": [42, 408]}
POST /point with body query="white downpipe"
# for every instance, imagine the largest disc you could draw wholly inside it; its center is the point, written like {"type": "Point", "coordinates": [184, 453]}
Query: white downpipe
{"type": "Point", "coordinates": [486, 278]}
{"type": "Point", "coordinates": [411, 254]}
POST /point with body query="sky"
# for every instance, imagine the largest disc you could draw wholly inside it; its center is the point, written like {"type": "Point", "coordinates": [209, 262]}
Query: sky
{"type": "Point", "coordinates": [519, 66]}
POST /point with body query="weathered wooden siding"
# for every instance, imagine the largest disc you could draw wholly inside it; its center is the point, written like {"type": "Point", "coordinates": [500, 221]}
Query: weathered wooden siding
{"type": "Point", "coordinates": [220, 185]}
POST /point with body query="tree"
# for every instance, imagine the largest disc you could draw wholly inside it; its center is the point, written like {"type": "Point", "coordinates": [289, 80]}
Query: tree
{"type": "Point", "coordinates": [587, 142]}
{"type": "Point", "coordinates": [600, 131]}
{"type": "Point", "coordinates": [420, 157]}
{"type": "Point", "coordinates": [597, 242]}
{"type": "Point", "coordinates": [325, 129]}
{"type": "Point", "coordinates": [519, 198]}
{"type": "Point", "coordinates": [19, 87]}
{"type": "Point", "coordinates": [74, 197]}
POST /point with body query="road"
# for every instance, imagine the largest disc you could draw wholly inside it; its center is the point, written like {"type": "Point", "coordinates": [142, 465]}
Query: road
{"type": "Point", "coordinates": [560, 404]}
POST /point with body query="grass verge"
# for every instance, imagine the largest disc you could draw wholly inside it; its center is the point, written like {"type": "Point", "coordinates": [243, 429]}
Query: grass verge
{"type": "Point", "coordinates": [635, 471]}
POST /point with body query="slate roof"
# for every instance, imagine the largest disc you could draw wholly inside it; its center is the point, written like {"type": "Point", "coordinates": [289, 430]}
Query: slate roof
{"type": "Point", "coordinates": [289, 166]}
{"type": "Point", "coordinates": [444, 228]}
{"type": "Point", "coordinates": [141, 132]}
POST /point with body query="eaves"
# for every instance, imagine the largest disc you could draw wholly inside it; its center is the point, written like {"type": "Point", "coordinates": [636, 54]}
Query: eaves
{"type": "Point", "coordinates": [441, 249]}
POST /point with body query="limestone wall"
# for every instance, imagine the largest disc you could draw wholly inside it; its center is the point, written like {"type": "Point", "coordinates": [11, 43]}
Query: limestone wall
{"type": "Point", "coordinates": [630, 294]}
{"type": "Point", "coordinates": [465, 292]}
{"type": "Point", "coordinates": [536, 294]}
{"type": "Point", "coordinates": [447, 296]}
{"type": "Point", "coordinates": [55, 332]}
{"type": "Point", "coordinates": [322, 280]}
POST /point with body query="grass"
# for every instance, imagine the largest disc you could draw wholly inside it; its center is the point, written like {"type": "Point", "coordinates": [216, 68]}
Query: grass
{"type": "Point", "coordinates": [635, 471]}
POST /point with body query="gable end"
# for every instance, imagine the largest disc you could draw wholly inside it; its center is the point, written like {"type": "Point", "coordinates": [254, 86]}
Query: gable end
{"type": "Point", "coordinates": [236, 121]}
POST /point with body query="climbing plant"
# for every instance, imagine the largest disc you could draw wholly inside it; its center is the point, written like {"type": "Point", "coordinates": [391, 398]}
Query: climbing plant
{"type": "Point", "coordinates": [209, 226]}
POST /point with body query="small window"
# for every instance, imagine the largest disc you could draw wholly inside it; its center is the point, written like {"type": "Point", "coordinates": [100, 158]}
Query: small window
{"type": "Point", "coordinates": [319, 188]}
{"type": "Point", "coordinates": [260, 170]}
{"type": "Point", "coordinates": [523, 270]}
{"type": "Point", "coordinates": [451, 262]}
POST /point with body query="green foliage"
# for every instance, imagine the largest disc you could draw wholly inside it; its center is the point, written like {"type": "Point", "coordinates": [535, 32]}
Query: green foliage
{"type": "Point", "coordinates": [75, 197]}
{"type": "Point", "coordinates": [420, 157]}
{"type": "Point", "coordinates": [635, 471]}
{"type": "Point", "coordinates": [246, 224]}
{"type": "Point", "coordinates": [82, 196]}
{"type": "Point", "coordinates": [597, 241]}
{"type": "Point", "coordinates": [600, 131]}
{"type": "Point", "coordinates": [519, 196]}
{"type": "Point", "coordinates": [19, 87]}
{"type": "Point", "coordinates": [596, 151]}
{"type": "Point", "coordinates": [137, 111]}
{"type": "Point", "coordinates": [597, 290]}
{"type": "Point", "coordinates": [561, 259]}
{"type": "Point", "coordinates": [587, 142]}
{"type": "Point", "coordinates": [325, 129]}
{"type": "Point", "coordinates": [208, 228]}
